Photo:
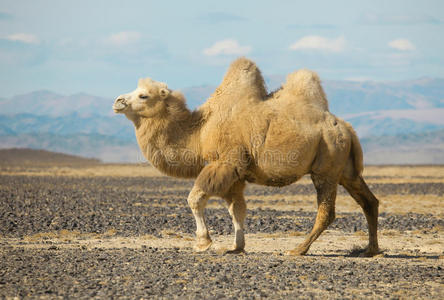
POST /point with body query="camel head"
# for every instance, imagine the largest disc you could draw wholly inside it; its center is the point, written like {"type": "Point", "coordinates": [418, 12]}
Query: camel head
{"type": "Point", "coordinates": [145, 101]}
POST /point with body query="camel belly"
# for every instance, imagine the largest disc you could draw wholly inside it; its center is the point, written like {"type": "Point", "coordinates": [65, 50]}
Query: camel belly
{"type": "Point", "coordinates": [275, 168]}
{"type": "Point", "coordinates": [271, 181]}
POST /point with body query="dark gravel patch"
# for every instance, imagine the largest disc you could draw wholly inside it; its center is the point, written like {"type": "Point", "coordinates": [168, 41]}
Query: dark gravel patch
{"type": "Point", "coordinates": [30, 205]}
{"type": "Point", "coordinates": [377, 188]}
{"type": "Point", "coordinates": [174, 274]}
{"type": "Point", "coordinates": [157, 185]}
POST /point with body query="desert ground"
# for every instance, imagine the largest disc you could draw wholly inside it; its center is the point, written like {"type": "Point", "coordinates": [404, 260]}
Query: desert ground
{"type": "Point", "coordinates": [86, 229]}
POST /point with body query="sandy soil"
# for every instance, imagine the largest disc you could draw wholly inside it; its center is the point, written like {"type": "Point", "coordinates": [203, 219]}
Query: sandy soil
{"type": "Point", "coordinates": [333, 242]}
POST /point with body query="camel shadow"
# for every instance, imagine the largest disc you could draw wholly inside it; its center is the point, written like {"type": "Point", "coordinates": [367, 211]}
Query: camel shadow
{"type": "Point", "coordinates": [355, 254]}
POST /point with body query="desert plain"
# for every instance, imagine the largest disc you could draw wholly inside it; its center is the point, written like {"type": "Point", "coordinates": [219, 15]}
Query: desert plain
{"type": "Point", "coordinates": [84, 229]}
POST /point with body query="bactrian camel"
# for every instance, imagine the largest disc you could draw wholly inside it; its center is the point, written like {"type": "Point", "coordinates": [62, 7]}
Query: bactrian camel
{"type": "Point", "coordinates": [242, 134]}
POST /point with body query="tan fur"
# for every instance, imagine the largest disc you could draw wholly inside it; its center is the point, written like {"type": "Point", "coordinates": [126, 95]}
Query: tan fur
{"type": "Point", "coordinates": [304, 86]}
{"type": "Point", "coordinates": [217, 178]}
{"type": "Point", "coordinates": [241, 134]}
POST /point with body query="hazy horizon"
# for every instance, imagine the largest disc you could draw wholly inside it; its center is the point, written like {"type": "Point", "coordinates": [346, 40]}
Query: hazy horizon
{"type": "Point", "coordinates": [270, 88]}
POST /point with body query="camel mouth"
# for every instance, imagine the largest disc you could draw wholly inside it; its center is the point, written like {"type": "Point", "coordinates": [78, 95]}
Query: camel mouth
{"type": "Point", "coordinates": [120, 105]}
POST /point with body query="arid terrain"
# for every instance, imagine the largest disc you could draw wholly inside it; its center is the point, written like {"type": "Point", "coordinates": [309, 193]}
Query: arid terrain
{"type": "Point", "coordinates": [85, 229]}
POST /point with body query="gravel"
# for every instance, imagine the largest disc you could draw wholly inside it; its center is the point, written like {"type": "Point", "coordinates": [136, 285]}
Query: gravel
{"type": "Point", "coordinates": [131, 206]}
{"type": "Point", "coordinates": [150, 272]}
{"type": "Point", "coordinates": [135, 206]}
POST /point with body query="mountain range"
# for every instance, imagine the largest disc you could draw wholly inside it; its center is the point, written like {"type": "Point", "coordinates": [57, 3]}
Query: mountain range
{"type": "Point", "coordinates": [395, 120]}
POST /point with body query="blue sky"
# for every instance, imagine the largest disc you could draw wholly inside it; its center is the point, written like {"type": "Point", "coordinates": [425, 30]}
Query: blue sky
{"type": "Point", "coordinates": [103, 47]}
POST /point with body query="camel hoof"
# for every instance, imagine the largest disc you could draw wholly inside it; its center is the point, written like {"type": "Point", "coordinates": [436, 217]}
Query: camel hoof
{"type": "Point", "coordinates": [202, 246]}
{"type": "Point", "coordinates": [369, 253]}
{"type": "Point", "coordinates": [365, 252]}
{"type": "Point", "coordinates": [296, 252]}
{"type": "Point", "coordinates": [235, 251]}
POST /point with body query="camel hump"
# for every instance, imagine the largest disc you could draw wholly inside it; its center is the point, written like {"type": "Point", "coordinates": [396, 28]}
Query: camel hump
{"type": "Point", "coordinates": [306, 83]}
{"type": "Point", "coordinates": [242, 78]}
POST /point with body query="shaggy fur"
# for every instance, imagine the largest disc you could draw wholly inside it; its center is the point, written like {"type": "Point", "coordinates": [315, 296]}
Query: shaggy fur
{"type": "Point", "coordinates": [241, 134]}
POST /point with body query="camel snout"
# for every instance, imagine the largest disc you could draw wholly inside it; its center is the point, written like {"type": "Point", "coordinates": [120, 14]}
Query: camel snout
{"type": "Point", "coordinates": [120, 104]}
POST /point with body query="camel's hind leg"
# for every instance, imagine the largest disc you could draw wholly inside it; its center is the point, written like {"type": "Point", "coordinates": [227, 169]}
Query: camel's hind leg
{"type": "Point", "coordinates": [197, 199]}
{"type": "Point", "coordinates": [237, 208]}
{"type": "Point", "coordinates": [359, 190]}
{"type": "Point", "coordinates": [326, 194]}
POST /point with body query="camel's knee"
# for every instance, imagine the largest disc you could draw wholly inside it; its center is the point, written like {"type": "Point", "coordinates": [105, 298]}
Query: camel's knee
{"type": "Point", "coordinates": [238, 209]}
{"type": "Point", "coordinates": [331, 217]}
{"type": "Point", "coordinates": [197, 199]}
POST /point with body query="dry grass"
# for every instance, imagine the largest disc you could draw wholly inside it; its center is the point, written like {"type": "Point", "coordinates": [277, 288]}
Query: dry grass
{"type": "Point", "coordinates": [389, 232]}
{"type": "Point", "coordinates": [383, 173]}
{"type": "Point", "coordinates": [405, 171]}
{"type": "Point", "coordinates": [398, 204]}
{"type": "Point", "coordinates": [124, 170]}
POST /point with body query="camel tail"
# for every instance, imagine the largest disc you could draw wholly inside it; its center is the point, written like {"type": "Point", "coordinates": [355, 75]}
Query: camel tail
{"type": "Point", "coordinates": [356, 151]}
{"type": "Point", "coordinates": [307, 84]}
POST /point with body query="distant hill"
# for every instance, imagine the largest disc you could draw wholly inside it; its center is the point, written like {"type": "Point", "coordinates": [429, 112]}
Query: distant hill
{"type": "Point", "coordinates": [345, 97]}
{"type": "Point", "coordinates": [52, 104]}
{"type": "Point", "coordinates": [23, 157]}
{"type": "Point", "coordinates": [103, 147]}
{"type": "Point", "coordinates": [396, 122]}
{"type": "Point", "coordinates": [116, 126]}
{"type": "Point", "coordinates": [351, 97]}
{"type": "Point", "coordinates": [85, 125]}
{"type": "Point", "coordinates": [413, 148]}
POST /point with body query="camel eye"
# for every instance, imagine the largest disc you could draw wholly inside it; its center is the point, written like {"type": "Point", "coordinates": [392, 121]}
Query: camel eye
{"type": "Point", "coordinates": [143, 96]}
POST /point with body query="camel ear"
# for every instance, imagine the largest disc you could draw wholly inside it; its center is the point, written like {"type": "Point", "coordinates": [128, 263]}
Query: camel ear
{"type": "Point", "coordinates": [164, 93]}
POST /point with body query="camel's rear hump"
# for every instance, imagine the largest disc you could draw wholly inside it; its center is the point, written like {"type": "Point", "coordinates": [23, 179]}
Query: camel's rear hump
{"type": "Point", "coordinates": [305, 85]}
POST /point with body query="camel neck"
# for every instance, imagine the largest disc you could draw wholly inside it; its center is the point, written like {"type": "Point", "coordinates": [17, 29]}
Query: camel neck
{"type": "Point", "coordinates": [170, 145]}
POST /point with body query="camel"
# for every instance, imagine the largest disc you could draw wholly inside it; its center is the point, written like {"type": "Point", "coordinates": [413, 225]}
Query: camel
{"type": "Point", "coordinates": [242, 134]}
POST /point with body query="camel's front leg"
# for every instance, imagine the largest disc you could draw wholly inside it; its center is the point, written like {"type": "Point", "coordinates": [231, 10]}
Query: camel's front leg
{"type": "Point", "coordinates": [237, 209]}
{"type": "Point", "coordinates": [197, 199]}
{"type": "Point", "coordinates": [218, 179]}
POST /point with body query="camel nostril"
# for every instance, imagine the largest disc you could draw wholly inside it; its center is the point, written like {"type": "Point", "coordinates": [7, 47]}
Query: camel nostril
{"type": "Point", "coordinates": [120, 104]}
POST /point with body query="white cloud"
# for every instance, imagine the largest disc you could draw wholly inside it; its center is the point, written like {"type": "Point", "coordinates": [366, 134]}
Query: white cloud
{"type": "Point", "coordinates": [227, 47]}
{"type": "Point", "coordinates": [123, 38]}
{"type": "Point", "coordinates": [23, 38]}
{"type": "Point", "coordinates": [401, 45]}
{"type": "Point", "coordinates": [314, 42]}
